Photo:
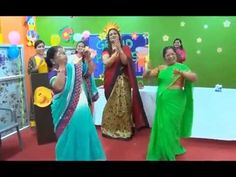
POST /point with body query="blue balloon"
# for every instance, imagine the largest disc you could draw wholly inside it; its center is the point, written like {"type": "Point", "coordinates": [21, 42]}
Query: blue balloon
{"type": "Point", "coordinates": [13, 52]}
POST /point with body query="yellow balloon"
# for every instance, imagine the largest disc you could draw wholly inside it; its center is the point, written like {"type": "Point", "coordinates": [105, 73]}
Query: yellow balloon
{"type": "Point", "coordinates": [55, 40]}
{"type": "Point", "coordinates": [1, 38]}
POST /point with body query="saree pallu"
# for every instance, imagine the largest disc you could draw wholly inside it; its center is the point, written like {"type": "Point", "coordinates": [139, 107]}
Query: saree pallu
{"type": "Point", "coordinates": [90, 83]}
{"type": "Point", "coordinates": [173, 116]}
{"type": "Point", "coordinates": [72, 118]}
{"type": "Point", "coordinates": [117, 118]}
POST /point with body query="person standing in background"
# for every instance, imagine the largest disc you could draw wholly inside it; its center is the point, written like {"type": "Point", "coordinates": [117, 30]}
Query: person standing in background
{"type": "Point", "coordinates": [179, 48]}
{"type": "Point", "coordinates": [36, 64]}
{"type": "Point", "coordinates": [83, 53]}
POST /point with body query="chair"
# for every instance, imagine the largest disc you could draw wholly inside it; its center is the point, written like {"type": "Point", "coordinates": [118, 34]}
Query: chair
{"type": "Point", "coordinates": [13, 125]}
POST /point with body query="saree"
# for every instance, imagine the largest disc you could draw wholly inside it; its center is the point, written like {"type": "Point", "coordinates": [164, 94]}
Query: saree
{"type": "Point", "coordinates": [90, 84]}
{"type": "Point", "coordinates": [123, 112]}
{"type": "Point", "coordinates": [173, 116]}
{"type": "Point", "coordinates": [72, 119]}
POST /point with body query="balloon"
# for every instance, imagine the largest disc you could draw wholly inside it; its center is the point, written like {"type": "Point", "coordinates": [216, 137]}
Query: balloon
{"type": "Point", "coordinates": [55, 40]}
{"type": "Point", "coordinates": [14, 37]}
{"type": "Point", "coordinates": [85, 35]}
{"type": "Point", "coordinates": [77, 37]}
{"type": "Point", "coordinates": [1, 38]}
{"type": "Point", "coordinates": [13, 52]}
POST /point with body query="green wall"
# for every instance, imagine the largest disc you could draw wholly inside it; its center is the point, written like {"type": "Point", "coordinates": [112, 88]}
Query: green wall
{"type": "Point", "coordinates": [212, 67]}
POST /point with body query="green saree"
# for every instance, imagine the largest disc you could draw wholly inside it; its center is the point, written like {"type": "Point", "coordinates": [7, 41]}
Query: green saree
{"type": "Point", "coordinates": [173, 116]}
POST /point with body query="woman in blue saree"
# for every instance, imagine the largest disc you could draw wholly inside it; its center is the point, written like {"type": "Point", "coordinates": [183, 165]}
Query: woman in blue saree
{"type": "Point", "coordinates": [72, 118]}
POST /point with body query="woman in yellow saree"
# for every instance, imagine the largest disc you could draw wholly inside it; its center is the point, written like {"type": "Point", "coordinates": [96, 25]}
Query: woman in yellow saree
{"type": "Point", "coordinates": [36, 64]}
{"type": "Point", "coordinates": [174, 107]}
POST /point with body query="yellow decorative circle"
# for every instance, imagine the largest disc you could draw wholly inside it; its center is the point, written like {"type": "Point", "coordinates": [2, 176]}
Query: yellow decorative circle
{"type": "Point", "coordinates": [42, 96]}
{"type": "Point", "coordinates": [55, 40]}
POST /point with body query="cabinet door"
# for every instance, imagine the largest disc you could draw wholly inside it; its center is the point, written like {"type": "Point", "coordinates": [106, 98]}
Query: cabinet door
{"type": "Point", "coordinates": [12, 88]}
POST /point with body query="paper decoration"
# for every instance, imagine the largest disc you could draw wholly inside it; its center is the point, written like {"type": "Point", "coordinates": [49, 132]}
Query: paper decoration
{"type": "Point", "coordinates": [102, 36]}
{"type": "Point", "coordinates": [165, 38]}
{"type": "Point", "coordinates": [199, 40]}
{"type": "Point", "coordinates": [85, 35]}
{"type": "Point", "coordinates": [205, 26]}
{"type": "Point", "coordinates": [55, 40]}
{"type": "Point", "coordinates": [66, 33]}
{"type": "Point", "coordinates": [226, 23]}
{"type": "Point", "coordinates": [145, 35]}
{"type": "Point", "coordinates": [77, 37]}
{"type": "Point", "coordinates": [182, 24]}
{"type": "Point", "coordinates": [1, 38]}
{"type": "Point", "coordinates": [42, 96]}
{"type": "Point", "coordinates": [111, 25]}
{"type": "Point", "coordinates": [31, 33]}
{"type": "Point", "coordinates": [219, 50]}
{"type": "Point", "coordinates": [134, 36]}
{"type": "Point", "coordinates": [198, 52]}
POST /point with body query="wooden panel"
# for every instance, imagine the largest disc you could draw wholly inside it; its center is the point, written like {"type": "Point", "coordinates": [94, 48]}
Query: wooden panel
{"type": "Point", "coordinates": [43, 116]}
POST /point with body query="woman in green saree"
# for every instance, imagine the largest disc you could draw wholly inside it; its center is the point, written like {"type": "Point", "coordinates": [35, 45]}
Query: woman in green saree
{"type": "Point", "coordinates": [72, 118]}
{"type": "Point", "coordinates": [174, 107]}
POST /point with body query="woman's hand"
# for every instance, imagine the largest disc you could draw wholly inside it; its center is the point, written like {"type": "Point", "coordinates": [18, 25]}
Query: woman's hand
{"type": "Point", "coordinates": [186, 75]}
{"type": "Point", "coordinates": [115, 54]}
{"type": "Point", "coordinates": [154, 71]}
{"type": "Point", "coordinates": [86, 52]}
{"type": "Point", "coordinates": [146, 74]}
{"type": "Point", "coordinates": [176, 72]}
{"type": "Point", "coordinates": [150, 73]}
{"type": "Point", "coordinates": [118, 46]}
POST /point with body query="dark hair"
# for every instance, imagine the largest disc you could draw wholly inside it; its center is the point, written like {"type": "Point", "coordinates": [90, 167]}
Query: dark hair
{"type": "Point", "coordinates": [181, 45]}
{"type": "Point", "coordinates": [37, 43]}
{"type": "Point", "coordinates": [167, 48]}
{"type": "Point", "coordinates": [83, 42]}
{"type": "Point", "coordinates": [50, 55]}
{"type": "Point", "coordinates": [109, 42]}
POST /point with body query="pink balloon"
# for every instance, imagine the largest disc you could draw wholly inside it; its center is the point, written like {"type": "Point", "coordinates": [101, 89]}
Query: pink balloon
{"type": "Point", "coordinates": [85, 34]}
{"type": "Point", "coordinates": [14, 37]}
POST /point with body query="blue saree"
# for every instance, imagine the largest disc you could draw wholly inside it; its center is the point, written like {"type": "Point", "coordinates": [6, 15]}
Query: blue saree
{"type": "Point", "coordinates": [72, 118]}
